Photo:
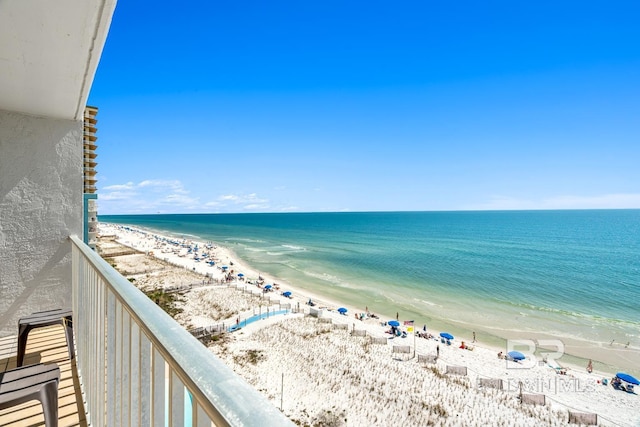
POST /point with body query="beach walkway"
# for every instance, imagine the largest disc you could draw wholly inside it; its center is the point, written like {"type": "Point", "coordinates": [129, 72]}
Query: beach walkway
{"type": "Point", "coordinates": [325, 366]}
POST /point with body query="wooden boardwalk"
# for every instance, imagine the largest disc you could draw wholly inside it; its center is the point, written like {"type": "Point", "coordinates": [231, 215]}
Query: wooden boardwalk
{"type": "Point", "coordinates": [45, 345]}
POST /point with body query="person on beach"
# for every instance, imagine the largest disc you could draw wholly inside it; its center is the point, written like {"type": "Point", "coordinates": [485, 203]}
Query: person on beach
{"type": "Point", "coordinates": [474, 337]}
{"type": "Point", "coordinates": [397, 316]}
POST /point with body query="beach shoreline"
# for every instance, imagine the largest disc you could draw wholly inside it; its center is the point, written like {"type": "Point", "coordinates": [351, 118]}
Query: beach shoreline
{"type": "Point", "coordinates": [610, 359]}
{"type": "Point", "coordinates": [146, 241]}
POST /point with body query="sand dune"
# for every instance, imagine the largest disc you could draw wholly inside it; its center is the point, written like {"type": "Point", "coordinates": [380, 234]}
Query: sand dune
{"type": "Point", "coordinates": [330, 376]}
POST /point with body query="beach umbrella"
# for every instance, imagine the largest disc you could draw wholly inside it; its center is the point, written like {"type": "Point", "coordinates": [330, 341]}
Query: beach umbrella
{"type": "Point", "coordinates": [286, 294]}
{"type": "Point", "coordinates": [240, 275]}
{"type": "Point", "coordinates": [224, 267]}
{"type": "Point", "coordinates": [516, 355]}
{"type": "Point", "coordinates": [393, 323]}
{"type": "Point", "coordinates": [268, 287]}
{"type": "Point", "coordinates": [627, 378]}
{"type": "Point", "coordinates": [342, 310]}
{"type": "Point", "coordinates": [446, 335]}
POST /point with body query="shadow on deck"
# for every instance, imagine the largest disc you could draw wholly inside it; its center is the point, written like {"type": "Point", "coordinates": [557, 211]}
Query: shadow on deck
{"type": "Point", "coordinates": [45, 345]}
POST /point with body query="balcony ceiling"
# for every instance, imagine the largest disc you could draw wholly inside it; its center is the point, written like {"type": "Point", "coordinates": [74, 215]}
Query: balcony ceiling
{"type": "Point", "coordinates": [49, 52]}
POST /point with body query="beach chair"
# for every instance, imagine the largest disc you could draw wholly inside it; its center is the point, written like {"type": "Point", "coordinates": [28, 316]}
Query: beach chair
{"type": "Point", "coordinates": [40, 320]}
{"type": "Point", "coordinates": [33, 382]}
{"type": "Point", "coordinates": [557, 367]}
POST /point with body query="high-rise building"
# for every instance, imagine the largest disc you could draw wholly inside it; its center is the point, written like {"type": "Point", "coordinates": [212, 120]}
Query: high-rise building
{"type": "Point", "coordinates": [133, 364]}
{"type": "Point", "coordinates": [89, 173]}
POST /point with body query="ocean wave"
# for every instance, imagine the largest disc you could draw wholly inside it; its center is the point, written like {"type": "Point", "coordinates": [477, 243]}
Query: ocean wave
{"type": "Point", "coordinates": [336, 281]}
{"type": "Point", "coordinates": [571, 313]}
{"type": "Point", "coordinates": [295, 248]}
{"type": "Point", "coordinates": [283, 250]}
{"type": "Point", "coordinates": [513, 330]}
{"type": "Point", "coordinates": [323, 276]}
{"type": "Point", "coordinates": [187, 235]}
{"type": "Point", "coordinates": [249, 239]}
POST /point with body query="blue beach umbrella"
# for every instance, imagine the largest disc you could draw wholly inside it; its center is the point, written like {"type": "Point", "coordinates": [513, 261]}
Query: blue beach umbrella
{"type": "Point", "coordinates": [627, 378]}
{"type": "Point", "coordinates": [394, 323]}
{"type": "Point", "coordinates": [342, 310]}
{"type": "Point", "coordinates": [286, 294]}
{"type": "Point", "coordinates": [268, 287]}
{"type": "Point", "coordinates": [446, 335]}
{"type": "Point", "coordinates": [516, 355]}
{"type": "Point", "coordinates": [224, 267]}
{"type": "Point", "coordinates": [240, 275]}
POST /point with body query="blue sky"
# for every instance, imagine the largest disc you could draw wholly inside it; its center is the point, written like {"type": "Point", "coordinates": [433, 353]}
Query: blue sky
{"type": "Point", "coordinates": [309, 106]}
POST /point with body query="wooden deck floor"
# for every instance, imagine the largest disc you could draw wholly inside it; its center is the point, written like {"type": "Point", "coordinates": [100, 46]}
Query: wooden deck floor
{"type": "Point", "coordinates": [45, 345]}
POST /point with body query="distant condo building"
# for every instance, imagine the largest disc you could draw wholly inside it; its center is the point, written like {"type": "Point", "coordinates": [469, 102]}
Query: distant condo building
{"type": "Point", "coordinates": [103, 353]}
{"type": "Point", "coordinates": [89, 161]}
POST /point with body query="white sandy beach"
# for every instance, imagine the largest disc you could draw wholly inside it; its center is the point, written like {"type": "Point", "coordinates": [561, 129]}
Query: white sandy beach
{"type": "Point", "coordinates": [333, 371]}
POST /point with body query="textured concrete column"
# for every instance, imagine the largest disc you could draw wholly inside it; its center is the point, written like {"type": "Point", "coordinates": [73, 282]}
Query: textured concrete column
{"type": "Point", "coordinates": [40, 206]}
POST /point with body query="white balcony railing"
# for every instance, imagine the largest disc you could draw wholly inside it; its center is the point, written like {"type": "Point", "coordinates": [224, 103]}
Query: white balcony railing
{"type": "Point", "coordinates": [138, 367]}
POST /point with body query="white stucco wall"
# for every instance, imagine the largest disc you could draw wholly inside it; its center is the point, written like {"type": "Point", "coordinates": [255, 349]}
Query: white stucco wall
{"type": "Point", "coordinates": [40, 206]}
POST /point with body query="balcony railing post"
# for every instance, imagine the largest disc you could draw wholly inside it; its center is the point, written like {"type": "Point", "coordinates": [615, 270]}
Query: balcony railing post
{"type": "Point", "coordinates": [111, 352]}
{"type": "Point", "coordinates": [177, 400]}
{"type": "Point", "coordinates": [160, 388]}
{"type": "Point", "coordinates": [134, 371]}
{"type": "Point", "coordinates": [125, 359]}
{"type": "Point", "coordinates": [100, 352]}
{"type": "Point", "coordinates": [137, 366]}
{"type": "Point", "coordinates": [145, 382]}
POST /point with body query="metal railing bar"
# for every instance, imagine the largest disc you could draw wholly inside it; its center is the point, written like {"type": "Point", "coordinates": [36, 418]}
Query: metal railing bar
{"type": "Point", "coordinates": [224, 396]}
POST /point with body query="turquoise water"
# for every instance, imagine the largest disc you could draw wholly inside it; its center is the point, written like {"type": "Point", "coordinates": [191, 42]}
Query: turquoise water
{"type": "Point", "coordinates": [571, 275]}
{"type": "Point", "coordinates": [255, 318]}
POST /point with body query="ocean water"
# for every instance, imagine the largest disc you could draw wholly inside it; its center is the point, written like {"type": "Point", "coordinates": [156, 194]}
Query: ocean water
{"type": "Point", "coordinates": [568, 275]}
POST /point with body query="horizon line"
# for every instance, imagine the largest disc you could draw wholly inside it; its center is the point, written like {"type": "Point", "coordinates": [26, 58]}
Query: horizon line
{"type": "Point", "coordinates": [379, 211]}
